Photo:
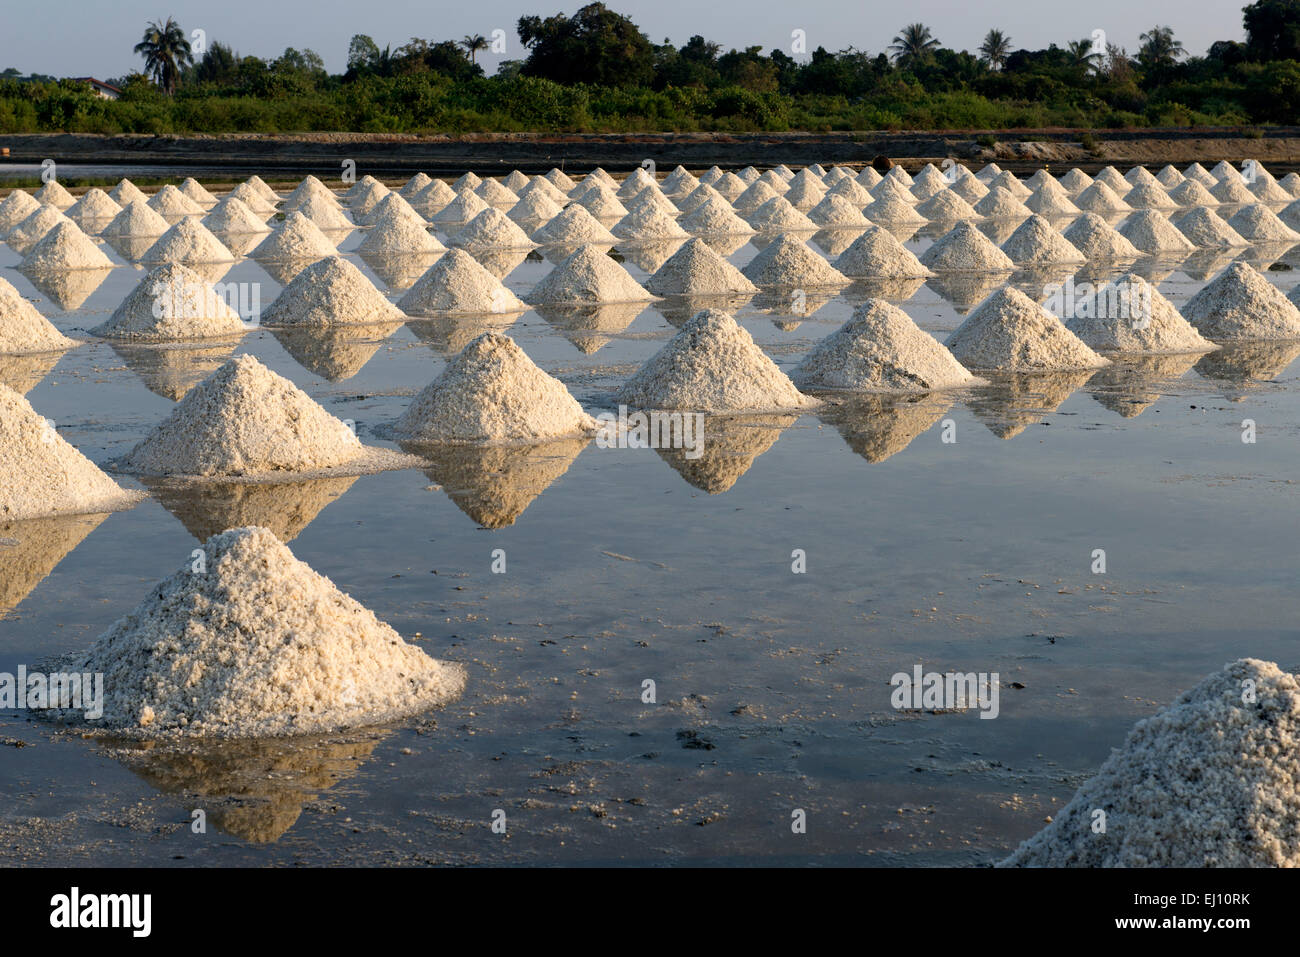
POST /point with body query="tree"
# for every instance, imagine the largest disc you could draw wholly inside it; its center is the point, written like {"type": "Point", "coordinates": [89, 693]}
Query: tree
{"type": "Point", "coordinates": [914, 44]}
{"type": "Point", "coordinates": [1273, 29]}
{"type": "Point", "coordinates": [595, 45]}
{"type": "Point", "coordinates": [166, 52]}
{"type": "Point", "coordinates": [363, 54]}
{"type": "Point", "coordinates": [218, 66]}
{"type": "Point", "coordinates": [1084, 53]}
{"type": "Point", "coordinates": [473, 44]}
{"type": "Point", "coordinates": [1159, 48]}
{"type": "Point", "coordinates": [995, 48]}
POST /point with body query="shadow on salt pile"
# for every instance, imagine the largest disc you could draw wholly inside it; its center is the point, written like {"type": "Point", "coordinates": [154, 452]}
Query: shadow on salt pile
{"type": "Point", "coordinates": [731, 443]}
{"type": "Point", "coordinates": [1132, 384]}
{"type": "Point", "coordinates": [1246, 365]}
{"type": "Point", "coordinates": [591, 327]}
{"type": "Point", "coordinates": [171, 369]}
{"type": "Point", "coordinates": [334, 353]}
{"type": "Point", "coordinates": [286, 508]}
{"type": "Point", "coordinates": [1010, 403]}
{"type": "Point", "coordinates": [30, 550]}
{"type": "Point", "coordinates": [68, 288]}
{"type": "Point", "coordinates": [877, 427]}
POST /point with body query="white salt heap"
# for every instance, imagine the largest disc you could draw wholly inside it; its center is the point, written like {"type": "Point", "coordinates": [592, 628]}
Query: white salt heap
{"type": "Point", "coordinates": [329, 292]}
{"type": "Point", "coordinates": [43, 474]}
{"type": "Point", "coordinates": [1100, 198]}
{"type": "Point", "coordinates": [172, 302]}
{"type": "Point", "coordinates": [189, 241]}
{"type": "Point", "coordinates": [999, 203]}
{"type": "Point", "coordinates": [878, 254]}
{"type": "Point", "coordinates": [970, 189]}
{"type": "Point", "coordinates": [880, 349]}
{"type": "Point", "coordinates": [1204, 228]}
{"type": "Point", "coordinates": [560, 180]}
{"type": "Point", "coordinates": [889, 188]}
{"type": "Point", "coordinates": [533, 210]}
{"type": "Point", "coordinates": [1266, 190]}
{"type": "Point", "coordinates": [326, 213]}
{"type": "Point", "coordinates": [193, 189]}
{"type": "Point", "coordinates": [1239, 303]}
{"type": "Point", "coordinates": [233, 216]}
{"type": "Point", "coordinates": [697, 270]}
{"type": "Point", "coordinates": [965, 249]}
{"type": "Point", "coordinates": [462, 209]}
{"type": "Point", "coordinates": [492, 229]}
{"type": "Point", "coordinates": [27, 233]}
{"type": "Point", "coordinates": [391, 206]}
{"type": "Point", "coordinates": [16, 207]}
{"type": "Point", "coordinates": [712, 365]}
{"type": "Point", "coordinates": [1149, 196]}
{"type": "Point", "coordinates": [65, 247]}
{"type": "Point", "coordinates": [1141, 176]}
{"type": "Point", "coordinates": [136, 219]}
{"type": "Point", "coordinates": [259, 645]}
{"type": "Point", "coordinates": [467, 180]}
{"type": "Point", "coordinates": [402, 233]}
{"type": "Point", "coordinates": [1009, 332]}
{"type": "Point", "coordinates": [1192, 193]}
{"type": "Point", "coordinates": [297, 238]}
{"type": "Point", "coordinates": [496, 194]}
{"type": "Point", "coordinates": [890, 211]}
{"type": "Point", "coordinates": [1209, 781]}
{"type": "Point", "coordinates": [367, 199]}
{"type": "Point", "coordinates": [1051, 199]}
{"type": "Point", "coordinates": [1008, 181]}
{"type": "Point", "coordinates": [639, 179]}
{"type": "Point", "coordinates": [457, 283]}
{"type": "Point", "coordinates": [714, 217]}
{"type": "Point", "coordinates": [803, 195]}
{"type": "Point", "coordinates": [946, 206]}
{"type": "Point", "coordinates": [572, 227]}
{"type": "Point", "coordinates": [1097, 239]}
{"type": "Point", "coordinates": [1151, 232]}
{"type": "Point", "coordinates": [53, 194]}
{"type": "Point", "coordinates": [1129, 315]}
{"type": "Point", "coordinates": [1036, 243]}
{"type": "Point", "coordinates": [1113, 181]}
{"type": "Point", "coordinates": [94, 207]}
{"type": "Point", "coordinates": [587, 276]}
{"type": "Point", "coordinates": [420, 180]}
{"type": "Point", "coordinates": [515, 181]}
{"type": "Point", "coordinates": [170, 201]}
{"type": "Point", "coordinates": [309, 189]}
{"type": "Point", "coordinates": [648, 224]}
{"type": "Point", "coordinates": [23, 329]}
{"type": "Point", "coordinates": [251, 198]}
{"type": "Point", "coordinates": [126, 192]}
{"type": "Point", "coordinates": [837, 212]}
{"type": "Point", "coordinates": [754, 197]}
{"type": "Point", "coordinates": [1199, 173]}
{"type": "Point", "coordinates": [493, 393]}
{"type": "Point", "coordinates": [788, 262]}
{"type": "Point", "coordinates": [1232, 191]}
{"type": "Point", "coordinates": [1075, 181]}
{"type": "Point", "coordinates": [1260, 224]}
{"type": "Point", "coordinates": [259, 184]}
{"type": "Point", "coordinates": [601, 202]}
{"type": "Point", "coordinates": [1170, 178]}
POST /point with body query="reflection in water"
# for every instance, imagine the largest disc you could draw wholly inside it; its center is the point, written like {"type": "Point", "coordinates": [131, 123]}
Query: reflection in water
{"type": "Point", "coordinates": [448, 335]}
{"type": "Point", "coordinates": [966, 290]}
{"type": "Point", "coordinates": [283, 270]}
{"type": "Point", "coordinates": [1010, 403]}
{"type": "Point", "coordinates": [241, 244]}
{"type": "Point", "coordinates": [397, 271]}
{"type": "Point", "coordinates": [171, 369]}
{"type": "Point", "coordinates": [879, 426]}
{"type": "Point", "coordinates": [998, 231]}
{"type": "Point", "coordinates": [493, 484]}
{"type": "Point", "coordinates": [797, 303]}
{"type": "Point", "coordinates": [210, 507]}
{"type": "Point", "coordinates": [731, 444]}
{"type": "Point", "coordinates": [1131, 384]}
{"type": "Point", "coordinates": [726, 243]}
{"type": "Point", "coordinates": [1205, 263]}
{"type": "Point", "coordinates": [1154, 269]}
{"type": "Point", "coordinates": [30, 549]}
{"type": "Point", "coordinates": [834, 241]}
{"type": "Point", "coordinates": [1263, 255]}
{"type": "Point", "coordinates": [590, 327]}
{"type": "Point", "coordinates": [499, 262]}
{"type": "Point", "coordinates": [891, 290]}
{"type": "Point", "coordinates": [21, 373]}
{"type": "Point", "coordinates": [678, 309]}
{"type": "Point", "coordinates": [334, 352]}
{"type": "Point", "coordinates": [648, 257]}
{"type": "Point", "coordinates": [130, 248]}
{"type": "Point", "coordinates": [1247, 364]}
{"type": "Point", "coordinates": [68, 288]}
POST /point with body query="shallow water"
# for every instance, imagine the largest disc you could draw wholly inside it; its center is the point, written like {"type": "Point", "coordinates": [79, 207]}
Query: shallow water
{"type": "Point", "coordinates": [772, 687]}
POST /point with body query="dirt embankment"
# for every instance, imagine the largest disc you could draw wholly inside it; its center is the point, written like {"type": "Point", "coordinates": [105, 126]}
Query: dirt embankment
{"type": "Point", "coordinates": [326, 152]}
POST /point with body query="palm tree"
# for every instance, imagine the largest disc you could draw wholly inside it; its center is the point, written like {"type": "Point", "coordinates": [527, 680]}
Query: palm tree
{"type": "Point", "coordinates": [1084, 53]}
{"type": "Point", "coordinates": [995, 48]}
{"type": "Point", "coordinates": [166, 52]}
{"type": "Point", "coordinates": [473, 44]}
{"type": "Point", "coordinates": [913, 44]}
{"type": "Point", "coordinates": [1159, 48]}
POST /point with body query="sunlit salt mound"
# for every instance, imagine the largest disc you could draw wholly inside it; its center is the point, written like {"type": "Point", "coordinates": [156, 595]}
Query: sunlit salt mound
{"type": "Point", "coordinates": [574, 226]}
{"type": "Point", "coordinates": [189, 242]}
{"type": "Point", "coordinates": [194, 190]}
{"type": "Point", "coordinates": [23, 329]}
{"type": "Point", "coordinates": [16, 207]}
{"type": "Point", "coordinates": [495, 194]}
{"type": "Point", "coordinates": [53, 194]}
{"type": "Point", "coordinates": [788, 262]}
{"type": "Point", "coordinates": [492, 229]}
{"type": "Point", "coordinates": [1266, 190]}
{"type": "Point", "coordinates": [136, 219]}
{"type": "Point", "coordinates": [94, 207]}
{"type": "Point", "coordinates": [1239, 303]}
{"type": "Point", "coordinates": [697, 270]}
{"type": "Point", "coordinates": [257, 645]}
{"type": "Point", "coordinates": [680, 181]}
{"type": "Point", "coordinates": [1075, 181]}
{"type": "Point", "coordinates": [878, 254]}
{"type": "Point", "coordinates": [456, 284]}
{"type": "Point", "coordinates": [1206, 229]}
{"type": "Point", "coordinates": [890, 211]}
{"type": "Point", "coordinates": [1149, 196]}
{"type": "Point", "coordinates": [325, 213]}
{"type": "Point", "coordinates": [172, 302]}
{"type": "Point", "coordinates": [1232, 191]}
{"type": "Point", "coordinates": [965, 249]}
{"type": "Point", "coordinates": [714, 217]}
{"type": "Point", "coordinates": [1130, 315]}
{"type": "Point", "coordinates": [648, 224]}
{"type": "Point", "coordinates": [559, 179]}
{"type": "Point", "coordinates": [65, 247]}
{"type": "Point", "coordinates": [362, 203]}
{"type": "Point", "coordinates": [1051, 199]}
{"type": "Point", "coordinates": [1099, 240]}
{"type": "Point", "coordinates": [1151, 232]}
{"type": "Point", "coordinates": [1260, 224]}
{"type": "Point", "coordinates": [1291, 183]}
{"type": "Point", "coordinates": [946, 206]}
{"type": "Point", "coordinates": [30, 231]}
{"type": "Point", "coordinates": [588, 275]}
{"type": "Point", "coordinates": [43, 474]}
{"type": "Point", "coordinates": [1199, 173]}
{"type": "Point", "coordinates": [999, 203]}
{"type": "Point", "coordinates": [400, 233]}
{"type": "Point", "coordinates": [880, 349]}
{"type": "Point", "coordinates": [1008, 181]}
{"type": "Point", "coordinates": [1100, 198]}
{"type": "Point", "coordinates": [329, 292]}
{"type": "Point", "coordinates": [253, 199]}
{"type": "Point", "coordinates": [460, 210]}
{"type": "Point", "coordinates": [712, 365]}
{"type": "Point", "coordinates": [1192, 193]}
{"type": "Point", "coordinates": [245, 420]}
{"type": "Point", "coordinates": [170, 201]}
{"type": "Point", "coordinates": [1036, 243]}
{"type": "Point", "coordinates": [493, 393]}
{"type": "Point", "coordinates": [126, 192]}
{"type": "Point", "coordinates": [297, 238]}
{"type": "Point", "coordinates": [233, 216]}
{"type": "Point", "coordinates": [1010, 332]}
{"type": "Point", "coordinates": [309, 188]}
{"type": "Point", "coordinates": [1209, 781]}
{"type": "Point", "coordinates": [534, 209]}
{"type": "Point", "coordinates": [515, 181]}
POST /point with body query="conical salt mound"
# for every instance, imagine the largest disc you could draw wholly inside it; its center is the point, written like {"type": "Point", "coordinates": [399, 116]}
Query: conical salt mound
{"type": "Point", "coordinates": [462, 209]}
{"type": "Point", "coordinates": [1232, 191]}
{"type": "Point", "coordinates": [880, 349]}
{"type": "Point", "coordinates": [1291, 215]}
{"type": "Point", "coordinates": [297, 238]}
{"type": "Point", "coordinates": [878, 254]}
{"type": "Point", "coordinates": [94, 207]}
{"type": "Point", "coordinates": [965, 249]}
{"type": "Point", "coordinates": [188, 242]}
{"type": "Point", "coordinates": [31, 230]}
{"type": "Point", "coordinates": [696, 270]}
{"type": "Point", "coordinates": [946, 206]}
{"type": "Point", "coordinates": [234, 217]}
{"type": "Point", "coordinates": [534, 210]}
{"type": "Point", "coordinates": [44, 475]}
{"type": "Point", "coordinates": [390, 206]}
{"type": "Point", "coordinates": [1291, 183]}
{"type": "Point", "coordinates": [1266, 190]}
{"type": "Point", "coordinates": [251, 198]}
{"type": "Point", "coordinates": [537, 184]}
{"type": "Point", "coordinates": [245, 420]}
{"type": "Point", "coordinates": [517, 181]}
{"type": "Point", "coordinates": [1036, 243]}
{"type": "Point", "coordinates": [363, 187]}
{"type": "Point", "coordinates": [837, 212]}
{"type": "Point", "coordinates": [1113, 181]}
{"type": "Point", "coordinates": [1192, 193]}
{"type": "Point", "coordinates": [23, 330]}
{"type": "Point", "coordinates": [310, 188]}
{"type": "Point", "coordinates": [65, 247]}
{"type": "Point", "coordinates": [456, 284]}
{"type": "Point", "coordinates": [1199, 173]}
{"type": "Point", "coordinates": [854, 192]}
{"type": "Point", "coordinates": [1170, 178]}
{"type": "Point", "coordinates": [1075, 181]}
{"type": "Point", "coordinates": [495, 194]}
{"type": "Point", "coordinates": [889, 188]}
{"type": "Point", "coordinates": [1204, 228]}
{"type": "Point", "coordinates": [172, 302]}
{"type": "Point", "coordinates": [257, 646]}
{"type": "Point", "coordinates": [601, 202]}
{"type": "Point", "coordinates": [648, 224]}
{"type": "Point", "coordinates": [1100, 198]}
{"type": "Point", "coordinates": [53, 194]}
{"type": "Point", "coordinates": [680, 181]}
{"type": "Point", "coordinates": [467, 180]}
{"type": "Point", "coordinates": [329, 292]}
{"type": "Point", "coordinates": [493, 393]}
{"type": "Point", "coordinates": [652, 198]}
{"type": "Point", "coordinates": [364, 202]}
{"type": "Point", "coordinates": [398, 234]}
{"type": "Point", "coordinates": [194, 190]}
{"type": "Point", "coordinates": [712, 365]}
{"type": "Point", "coordinates": [558, 179]}
{"type": "Point", "coordinates": [259, 184]}
{"type": "Point", "coordinates": [731, 186]}
{"type": "Point", "coordinates": [788, 262]}
{"type": "Point", "coordinates": [1152, 233]}
{"type": "Point", "coordinates": [16, 207]}
{"type": "Point", "coordinates": [754, 197]}
{"type": "Point", "coordinates": [1130, 315]}
{"type": "Point", "coordinates": [1009, 332]}
{"type": "Point", "coordinates": [1239, 303]}
{"type": "Point", "coordinates": [1008, 181]}
{"type": "Point", "coordinates": [1209, 781]}
{"type": "Point", "coordinates": [136, 220]}
{"type": "Point", "coordinates": [588, 276]}
{"type": "Point", "coordinates": [1260, 224]}
{"type": "Point", "coordinates": [420, 180]}
{"type": "Point", "coordinates": [889, 211]}
{"type": "Point", "coordinates": [714, 217]}
{"type": "Point", "coordinates": [170, 201]}
{"type": "Point", "coordinates": [492, 229]}
{"type": "Point", "coordinates": [1149, 196]}
{"type": "Point", "coordinates": [126, 192]}
{"type": "Point", "coordinates": [1051, 199]}
{"type": "Point", "coordinates": [325, 213]}
{"type": "Point", "coordinates": [1097, 239]}
{"type": "Point", "coordinates": [999, 203]}
{"type": "Point", "coordinates": [1140, 176]}
{"type": "Point", "coordinates": [573, 226]}
{"type": "Point", "coordinates": [701, 194]}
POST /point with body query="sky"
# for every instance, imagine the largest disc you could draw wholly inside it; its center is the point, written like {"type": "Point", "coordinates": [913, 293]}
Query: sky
{"type": "Point", "coordinates": [100, 36]}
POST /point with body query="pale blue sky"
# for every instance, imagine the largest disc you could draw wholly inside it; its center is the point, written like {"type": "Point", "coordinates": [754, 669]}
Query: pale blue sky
{"type": "Point", "coordinates": [95, 38]}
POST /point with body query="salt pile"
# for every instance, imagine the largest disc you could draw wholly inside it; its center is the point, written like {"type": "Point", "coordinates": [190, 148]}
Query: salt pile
{"type": "Point", "coordinates": [1291, 183]}
{"type": "Point", "coordinates": [1266, 190]}
{"type": "Point", "coordinates": [804, 195]}
{"type": "Point", "coordinates": [868, 177]}
{"type": "Point", "coordinates": [999, 203]}
{"type": "Point", "coordinates": [989, 173]}
{"type": "Point", "coordinates": [259, 645]}
{"type": "Point", "coordinates": [1036, 243]}
{"type": "Point", "coordinates": [853, 191]}
{"type": "Point", "coordinates": [329, 292]}
{"type": "Point", "coordinates": [754, 197]}
{"type": "Point", "coordinates": [649, 199]}
{"type": "Point", "coordinates": [16, 207]}
{"type": "Point", "coordinates": [136, 219]}
{"type": "Point", "coordinates": [172, 302]}
{"type": "Point", "coordinates": [257, 183]}
{"type": "Point", "coordinates": [189, 241]}
{"type": "Point", "coordinates": [1149, 196]}
{"type": "Point", "coordinates": [878, 254]}
{"type": "Point", "coordinates": [588, 276]}
{"type": "Point", "coordinates": [126, 192]}
{"type": "Point", "coordinates": [533, 210]}
{"type": "Point", "coordinates": [194, 190]}
{"type": "Point", "coordinates": [492, 229]}
{"type": "Point", "coordinates": [1260, 224]}
{"type": "Point", "coordinates": [401, 233]}
{"type": "Point", "coordinates": [711, 176]}
{"type": "Point", "coordinates": [1192, 193]}
{"type": "Point", "coordinates": [44, 475]}
{"type": "Point", "coordinates": [1205, 228]}
{"type": "Point", "coordinates": [700, 195]}
{"type": "Point", "coordinates": [680, 182]}
{"type": "Point", "coordinates": [714, 217]}
{"type": "Point", "coordinates": [1010, 332]}
{"type": "Point", "coordinates": [420, 180]}
{"type": "Point", "coordinates": [65, 247]}
{"type": "Point", "coordinates": [457, 283]}
{"type": "Point", "coordinates": [925, 187]}
{"type": "Point", "coordinates": [1169, 177]}
{"type": "Point", "coordinates": [53, 194]}
{"type": "Point", "coordinates": [1100, 198]}
{"type": "Point", "coordinates": [95, 206]}
{"type": "Point", "coordinates": [1051, 199]}
{"type": "Point", "coordinates": [1113, 181]}
{"type": "Point", "coordinates": [639, 179]}
{"type": "Point", "coordinates": [837, 212]}
{"type": "Point", "coordinates": [1241, 304]}
{"type": "Point", "coordinates": [880, 349]}
{"type": "Point", "coordinates": [467, 180]}
{"type": "Point", "coordinates": [1199, 173]}
{"type": "Point", "coordinates": [965, 249]}
{"type": "Point", "coordinates": [1007, 180]}
{"type": "Point", "coordinates": [1097, 239]}
{"type": "Point", "coordinates": [648, 224]}
{"type": "Point", "coordinates": [712, 365]}
{"type": "Point", "coordinates": [232, 216]}
{"type": "Point", "coordinates": [697, 270]}
{"type": "Point", "coordinates": [170, 201]}
{"type": "Point", "coordinates": [434, 197]}
{"type": "Point", "coordinates": [245, 420]}
{"type": "Point", "coordinates": [310, 189]}
{"type": "Point", "coordinates": [493, 393]}
{"type": "Point", "coordinates": [1232, 191]}
{"type": "Point", "coordinates": [946, 206]}
{"type": "Point", "coordinates": [892, 212]}
{"type": "Point", "coordinates": [1152, 233]}
{"type": "Point", "coordinates": [788, 262]}
{"type": "Point", "coordinates": [30, 231]}
{"type": "Point", "coordinates": [252, 199]}
{"type": "Point", "coordinates": [495, 194]}
{"type": "Point", "coordinates": [1291, 215]}
{"type": "Point", "coordinates": [559, 180]}
{"type": "Point", "coordinates": [1130, 315]}
{"type": "Point", "coordinates": [1141, 176]}
{"type": "Point", "coordinates": [889, 188]}
{"type": "Point", "coordinates": [462, 209]}
{"type": "Point", "coordinates": [326, 214]}
{"type": "Point", "coordinates": [731, 186]}
{"type": "Point", "coordinates": [513, 182]}
{"type": "Point", "coordinates": [572, 227]}
{"type": "Point", "coordinates": [390, 206]}
{"type": "Point", "coordinates": [1075, 181]}
{"type": "Point", "coordinates": [363, 201]}
{"type": "Point", "coordinates": [297, 238]}
{"type": "Point", "coordinates": [777, 215]}
{"type": "Point", "coordinates": [23, 330]}
{"type": "Point", "coordinates": [1209, 781]}
{"type": "Point", "coordinates": [900, 175]}
{"type": "Point", "coordinates": [602, 202]}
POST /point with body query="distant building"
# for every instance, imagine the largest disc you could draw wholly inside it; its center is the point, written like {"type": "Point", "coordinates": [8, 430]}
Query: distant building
{"type": "Point", "coordinates": [105, 91]}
